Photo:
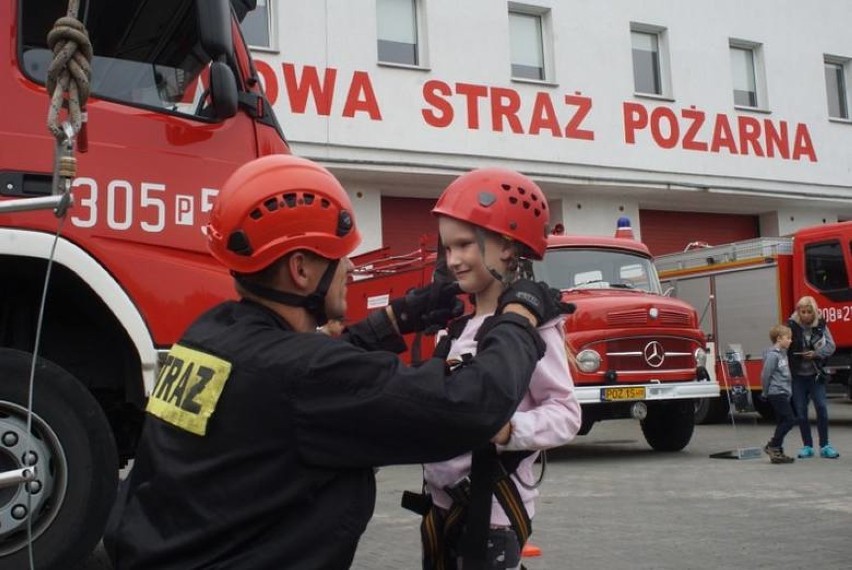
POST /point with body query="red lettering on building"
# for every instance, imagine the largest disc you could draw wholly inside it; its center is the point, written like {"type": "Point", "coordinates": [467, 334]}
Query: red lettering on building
{"type": "Point", "coordinates": [803, 145]}
{"type": "Point", "coordinates": [544, 116]}
{"type": "Point", "coordinates": [584, 106]}
{"type": "Point", "coordinates": [663, 120]}
{"type": "Point", "coordinates": [776, 139]}
{"type": "Point", "coordinates": [741, 134]}
{"type": "Point", "coordinates": [635, 119]}
{"type": "Point", "coordinates": [750, 135]}
{"type": "Point", "coordinates": [472, 93]}
{"type": "Point", "coordinates": [298, 89]}
{"type": "Point", "coordinates": [362, 97]}
{"type": "Point", "coordinates": [435, 93]}
{"type": "Point", "coordinates": [504, 105]}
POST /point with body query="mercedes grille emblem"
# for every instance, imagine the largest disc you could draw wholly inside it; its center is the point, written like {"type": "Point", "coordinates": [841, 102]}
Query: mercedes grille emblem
{"type": "Point", "coordinates": [654, 354]}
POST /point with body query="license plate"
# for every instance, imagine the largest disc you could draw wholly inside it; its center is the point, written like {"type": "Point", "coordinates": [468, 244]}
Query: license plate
{"type": "Point", "coordinates": [623, 393]}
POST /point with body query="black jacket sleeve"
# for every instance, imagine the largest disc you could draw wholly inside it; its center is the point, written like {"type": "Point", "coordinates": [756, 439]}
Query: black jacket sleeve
{"type": "Point", "coordinates": [376, 332]}
{"type": "Point", "coordinates": [356, 408]}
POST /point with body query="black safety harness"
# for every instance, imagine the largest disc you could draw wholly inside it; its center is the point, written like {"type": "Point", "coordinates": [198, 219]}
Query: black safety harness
{"type": "Point", "coordinates": [463, 529]}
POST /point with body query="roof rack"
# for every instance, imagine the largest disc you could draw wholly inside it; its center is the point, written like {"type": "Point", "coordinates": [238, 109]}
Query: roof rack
{"type": "Point", "coordinates": [759, 248]}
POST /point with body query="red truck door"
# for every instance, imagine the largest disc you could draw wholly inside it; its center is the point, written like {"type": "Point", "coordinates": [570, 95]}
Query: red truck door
{"type": "Point", "coordinates": [822, 268]}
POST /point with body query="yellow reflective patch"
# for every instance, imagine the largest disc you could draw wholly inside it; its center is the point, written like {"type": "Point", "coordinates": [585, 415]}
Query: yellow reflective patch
{"type": "Point", "coordinates": [188, 388]}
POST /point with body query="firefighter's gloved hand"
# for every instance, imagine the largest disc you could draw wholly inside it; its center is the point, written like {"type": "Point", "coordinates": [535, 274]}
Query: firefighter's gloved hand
{"type": "Point", "coordinates": [428, 308]}
{"type": "Point", "coordinates": [539, 298]}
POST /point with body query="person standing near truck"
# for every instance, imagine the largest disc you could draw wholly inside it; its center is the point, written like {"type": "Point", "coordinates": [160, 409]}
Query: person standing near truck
{"type": "Point", "coordinates": [492, 222]}
{"type": "Point", "coordinates": [811, 346]}
{"type": "Point", "coordinates": [777, 383]}
{"type": "Point", "coordinates": [262, 433]}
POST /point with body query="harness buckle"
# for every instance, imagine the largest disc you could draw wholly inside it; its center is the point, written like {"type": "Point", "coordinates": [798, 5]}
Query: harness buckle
{"type": "Point", "coordinates": [459, 492]}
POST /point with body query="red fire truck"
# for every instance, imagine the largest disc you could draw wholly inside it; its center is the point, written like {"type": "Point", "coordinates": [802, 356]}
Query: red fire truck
{"type": "Point", "coordinates": [744, 288]}
{"type": "Point", "coordinates": [176, 106]}
{"type": "Point", "coordinates": [632, 351]}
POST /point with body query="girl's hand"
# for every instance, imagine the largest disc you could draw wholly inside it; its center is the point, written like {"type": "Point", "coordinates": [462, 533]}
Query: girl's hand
{"type": "Point", "coordinates": [502, 437]}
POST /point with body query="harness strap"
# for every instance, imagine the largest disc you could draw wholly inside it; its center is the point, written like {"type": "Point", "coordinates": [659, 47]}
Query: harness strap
{"type": "Point", "coordinates": [441, 531]}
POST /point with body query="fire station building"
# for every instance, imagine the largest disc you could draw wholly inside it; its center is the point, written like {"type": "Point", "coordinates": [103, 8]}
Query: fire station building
{"type": "Point", "coordinates": [700, 121]}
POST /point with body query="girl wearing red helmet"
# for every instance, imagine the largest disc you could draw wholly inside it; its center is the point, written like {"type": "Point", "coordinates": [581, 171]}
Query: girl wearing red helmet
{"type": "Point", "coordinates": [492, 221]}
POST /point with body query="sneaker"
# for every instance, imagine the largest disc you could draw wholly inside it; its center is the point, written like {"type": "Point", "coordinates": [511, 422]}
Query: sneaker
{"type": "Point", "coordinates": [806, 451]}
{"type": "Point", "coordinates": [771, 451]}
{"type": "Point", "coordinates": [828, 452]}
{"type": "Point", "coordinates": [781, 458]}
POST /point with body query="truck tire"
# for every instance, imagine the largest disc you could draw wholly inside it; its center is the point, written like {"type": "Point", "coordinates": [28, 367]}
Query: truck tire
{"type": "Point", "coordinates": [76, 465]}
{"type": "Point", "coordinates": [711, 410]}
{"type": "Point", "coordinates": [669, 425]}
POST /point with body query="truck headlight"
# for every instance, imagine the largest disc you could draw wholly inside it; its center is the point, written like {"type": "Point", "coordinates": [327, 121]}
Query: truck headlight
{"type": "Point", "coordinates": [588, 361]}
{"type": "Point", "coordinates": [700, 357]}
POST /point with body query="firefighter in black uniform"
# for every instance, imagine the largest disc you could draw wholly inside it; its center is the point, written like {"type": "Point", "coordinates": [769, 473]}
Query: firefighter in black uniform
{"type": "Point", "coordinates": [261, 435]}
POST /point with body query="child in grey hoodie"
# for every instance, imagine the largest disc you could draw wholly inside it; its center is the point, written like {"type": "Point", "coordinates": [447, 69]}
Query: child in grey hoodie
{"type": "Point", "coordinates": [777, 388]}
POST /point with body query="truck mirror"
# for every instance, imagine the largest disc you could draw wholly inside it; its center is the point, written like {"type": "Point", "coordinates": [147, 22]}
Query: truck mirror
{"type": "Point", "coordinates": [214, 26]}
{"type": "Point", "coordinates": [223, 90]}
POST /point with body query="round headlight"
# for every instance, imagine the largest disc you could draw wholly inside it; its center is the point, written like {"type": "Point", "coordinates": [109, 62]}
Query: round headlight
{"type": "Point", "coordinates": [700, 357]}
{"type": "Point", "coordinates": [588, 361]}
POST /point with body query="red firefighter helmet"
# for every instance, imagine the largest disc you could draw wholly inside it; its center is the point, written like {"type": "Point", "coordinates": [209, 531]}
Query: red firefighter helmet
{"type": "Point", "coordinates": [277, 204]}
{"type": "Point", "coordinates": [501, 200]}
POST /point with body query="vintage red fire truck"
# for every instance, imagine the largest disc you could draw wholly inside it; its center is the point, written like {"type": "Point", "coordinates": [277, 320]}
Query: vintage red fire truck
{"type": "Point", "coordinates": [632, 352]}
{"type": "Point", "coordinates": [176, 106]}
{"type": "Point", "coordinates": [744, 288]}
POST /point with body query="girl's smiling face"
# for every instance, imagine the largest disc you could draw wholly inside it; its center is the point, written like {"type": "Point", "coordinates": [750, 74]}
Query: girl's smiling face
{"type": "Point", "coordinates": [465, 257]}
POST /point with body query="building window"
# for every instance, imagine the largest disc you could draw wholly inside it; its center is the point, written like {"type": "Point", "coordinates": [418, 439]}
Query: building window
{"type": "Point", "coordinates": [257, 26]}
{"type": "Point", "coordinates": [650, 60]}
{"type": "Point", "coordinates": [397, 31]}
{"type": "Point", "coordinates": [746, 74]}
{"type": "Point", "coordinates": [835, 87]}
{"type": "Point", "coordinates": [527, 47]}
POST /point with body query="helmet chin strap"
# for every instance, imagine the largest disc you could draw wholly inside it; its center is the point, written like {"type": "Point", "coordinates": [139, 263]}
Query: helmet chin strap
{"type": "Point", "coordinates": [505, 279]}
{"type": "Point", "coordinates": [314, 303]}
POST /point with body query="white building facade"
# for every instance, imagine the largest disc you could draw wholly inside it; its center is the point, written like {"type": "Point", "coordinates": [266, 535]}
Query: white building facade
{"type": "Point", "coordinates": [701, 121]}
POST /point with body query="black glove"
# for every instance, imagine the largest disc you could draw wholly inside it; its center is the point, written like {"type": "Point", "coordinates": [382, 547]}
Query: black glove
{"type": "Point", "coordinates": [540, 299]}
{"type": "Point", "coordinates": [428, 308]}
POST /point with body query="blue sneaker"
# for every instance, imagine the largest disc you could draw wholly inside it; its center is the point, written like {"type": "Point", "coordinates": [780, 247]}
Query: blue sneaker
{"type": "Point", "coordinates": [806, 451]}
{"type": "Point", "coordinates": [828, 452]}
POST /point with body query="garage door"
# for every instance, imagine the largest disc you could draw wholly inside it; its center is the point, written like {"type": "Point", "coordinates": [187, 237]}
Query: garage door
{"type": "Point", "coordinates": [405, 220]}
{"type": "Point", "coordinates": [669, 232]}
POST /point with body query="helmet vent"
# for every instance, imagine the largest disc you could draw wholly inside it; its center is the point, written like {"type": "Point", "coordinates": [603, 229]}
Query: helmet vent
{"type": "Point", "coordinates": [325, 203]}
{"type": "Point", "coordinates": [290, 200]}
{"type": "Point", "coordinates": [505, 187]}
{"type": "Point", "coordinates": [309, 199]}
{"type": "Point", "coordinates": [537, 212]}
{"type": "Point", "coordinates": [513, 200]}
{"type": "Point", "coordinates": [521, 191]}
{"type": "Point", "coordinates": [271, 204]}
{"type": "Point", "coordinates": [526, 205]}
{"type": "Point", "coordinates": [256, 214]}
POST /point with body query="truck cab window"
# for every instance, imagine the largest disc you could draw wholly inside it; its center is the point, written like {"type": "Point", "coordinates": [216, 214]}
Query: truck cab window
{"type": "Point", "coordinates": [825, 267]}
{"type": "Point", "coordinates": [136, 57]}
{"type": "Point", "coordinates": [575, 268]}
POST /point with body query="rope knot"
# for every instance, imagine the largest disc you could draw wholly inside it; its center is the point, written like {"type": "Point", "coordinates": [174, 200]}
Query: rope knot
{"type": "Point", "coordinates": [70, 72]}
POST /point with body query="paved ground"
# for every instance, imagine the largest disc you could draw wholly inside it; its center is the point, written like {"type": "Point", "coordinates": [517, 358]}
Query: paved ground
{"type": "Point", "coordinates": [609, 502]}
